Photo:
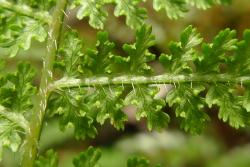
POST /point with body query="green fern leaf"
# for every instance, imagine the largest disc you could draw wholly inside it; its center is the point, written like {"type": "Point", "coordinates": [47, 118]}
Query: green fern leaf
{"type": "Point", "coordinates": [106, 103]}
{"type": "Point", "coordinates": [94, 10]}
{"type": "Point", "coordinates": [137, 162]}
{"type": "Point", "coordinates": [49, 160]}
{"type": "Point", "coordinates": [88, 158]}
{"type": "Point", "coordinates": [135, 15]}
{"type": "Point", "coordinates": [239, 63]}
{"type": "Point", "coordinates": [183, 52]}
{"type": "Point", "coordinates": [138, 53]}
{"type": "Point", "coordinates": [148, 106]}
{"type": "Point", "coordinates": [17, 89]}
{"type": "Point", "coordinates": [100, 56]}
{"type": "Point", "coordinates": [12, 126]}
{"type": "Point", "coordinates": [174, 8]}
{"type": "Point", "coordinates": [70, 105]}
{"type": "Point", "coordinates": [189, 107]}
{"type": "Point", "coordinates": [230, 106]}
{"type": "Point", "coordinates": [70, 54]}
{"type": "Point", "coordinates": [218, 51]}
{"type": "Point", "coordinates": [15, 37]}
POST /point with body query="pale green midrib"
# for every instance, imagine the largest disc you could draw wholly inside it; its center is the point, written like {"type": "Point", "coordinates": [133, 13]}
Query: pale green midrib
{"type": "Point", "coordinates": [158, 79]}
{"type": "Point", "coordinates": [30, 146]}
{"type": "Point", "coordinates": [26, 11]}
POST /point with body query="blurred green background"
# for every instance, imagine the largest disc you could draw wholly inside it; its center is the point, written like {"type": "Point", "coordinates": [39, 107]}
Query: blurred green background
{"type": "Point", "coordinates": [218, 146]}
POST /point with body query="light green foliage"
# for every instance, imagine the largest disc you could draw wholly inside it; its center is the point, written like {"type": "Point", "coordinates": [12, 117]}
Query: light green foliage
{"type": "Point", "coordinates": [95, 85]}
{"type": "Point", "coordinates": [218, 51]}
{"type": "Point", "coordinates": [189, 107]}
{"type": "Point", "coordinates": [173, 8]}
{"type": "Point", "coordinates": [39, 4]}
{"type": "Point", "coordinates": [148, 106]}
{"type": "Point", "coordinates": [73, 110]}
{"type": "Point", "coordinates": [137, 57]}
{"type": "Point", "coordinates": [11, 126]}
{"type": "Point", "coordinates": [205, 4]}
{"type": "Point", "coordinates": [16, 91]}
{"type": "Point", "coordinates": [70, 54]}
{"type": "Point", "coordinates": [227, 50]}
{"type": "Point", "coordinates": [182, 53]}
{"type": "Point", "coordinates": [185, 97]}
{"type": "Point", "coordinates": [190, 38]}
{"type": "Point", "coordinates": [91, 156]}
{"type": "Point", "coordinates": [86, 107]}
{"type": "Point", "coordinates": [138, 53]}
{"type": "Point", "coordinates": [177, 8]}
{"type": "Point", "coordinates": [15, 35]}
{"type": "Point", "coordinates": [137, 162]}
{"type": "Point", "coordinates": [185, 58]}
{"type": "Point", "coordinates": [103, 103]}
{"type": "Point", "coordinates": [240, 63]}
{"type": "Point", "coordinates": [17, 31]}
{"type": "Point", "coordinates": [201, 4]}
{"type": "Point", "coordinates": [88, 158]}
{"type": "Point", "coordinates": [135, 15]}
{"type": "Point", "coordinates": [49, 160]}
{"type": "Point", "coordinates": [107, 104]}
{"type": "Point", "coordinates": [100, 56]}
{"type": "Point", "coordinates": [93, 9]}
{"type": "Point", "coordinates": [230, 106]}
{"type": "Point", "coordinates": [33, 30]}
{"type": "Point", "coordinates": [190, 55]}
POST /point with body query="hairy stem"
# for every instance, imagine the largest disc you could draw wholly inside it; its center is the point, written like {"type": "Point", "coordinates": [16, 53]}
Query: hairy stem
{"type": "Point", "coordinates": [37, 118]}
{"type": "Point", "coordinates": [25, 11]}
{"type": "Point", "coordinates": [159, 79]}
